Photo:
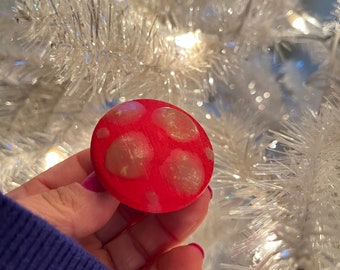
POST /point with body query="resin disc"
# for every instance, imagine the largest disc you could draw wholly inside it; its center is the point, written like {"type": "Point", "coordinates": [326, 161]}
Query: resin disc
{"type": "Point", "coordinates": [152, 155]}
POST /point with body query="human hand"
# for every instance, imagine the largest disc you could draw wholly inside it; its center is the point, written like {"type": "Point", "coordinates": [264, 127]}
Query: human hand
{"type": "Point", "coordinates": [118, 236]}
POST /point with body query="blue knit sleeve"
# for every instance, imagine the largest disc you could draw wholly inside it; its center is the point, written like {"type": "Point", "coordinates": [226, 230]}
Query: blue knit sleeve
{"type": "Point", "coordinates": [27, 242]}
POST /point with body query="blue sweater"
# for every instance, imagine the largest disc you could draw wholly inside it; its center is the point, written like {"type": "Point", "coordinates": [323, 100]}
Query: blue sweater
{"type": "Point", "coordinates": [27, 242]}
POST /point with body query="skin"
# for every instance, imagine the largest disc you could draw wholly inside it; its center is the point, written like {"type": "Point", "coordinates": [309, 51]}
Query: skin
{"type": "Point", "coordinates": [106, 228]}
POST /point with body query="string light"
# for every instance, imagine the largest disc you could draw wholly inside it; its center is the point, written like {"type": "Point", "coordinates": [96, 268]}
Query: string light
{"type": "Point", "coordinates": [186, 42]}
{"type": "Point", "coordinates": [297, 21]}
{"type": "Point", "coordinates": [54, 156]}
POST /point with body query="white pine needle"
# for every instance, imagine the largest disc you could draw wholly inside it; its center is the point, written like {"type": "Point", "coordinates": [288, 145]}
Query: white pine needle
{"type": "Point", "coordinates": [296, 204]}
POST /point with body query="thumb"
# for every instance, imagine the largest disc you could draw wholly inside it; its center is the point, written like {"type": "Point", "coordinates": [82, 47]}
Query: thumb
{"type": "Point", "coordinates": [77, 210]}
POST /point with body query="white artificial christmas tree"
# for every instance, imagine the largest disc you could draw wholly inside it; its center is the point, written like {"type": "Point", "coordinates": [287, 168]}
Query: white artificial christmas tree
{"type": "Point", "coordinates": [261, 76]}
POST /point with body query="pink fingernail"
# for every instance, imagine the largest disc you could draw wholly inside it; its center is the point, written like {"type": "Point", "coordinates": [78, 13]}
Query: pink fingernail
{"type": "Point", "coordinates": [91, 183]}
{"type": "Point", "coordinates": [211, 192]}
{"type": "Point", "coordinates": [199, 248]}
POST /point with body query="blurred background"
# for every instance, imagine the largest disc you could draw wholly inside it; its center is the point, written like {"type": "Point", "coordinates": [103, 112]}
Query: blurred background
{"type": "Point", "coordinates": [261, 76]}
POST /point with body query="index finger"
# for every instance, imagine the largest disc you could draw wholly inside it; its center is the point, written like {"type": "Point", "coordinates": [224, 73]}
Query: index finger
{"type": "Point", "coordinates": [73, 169]}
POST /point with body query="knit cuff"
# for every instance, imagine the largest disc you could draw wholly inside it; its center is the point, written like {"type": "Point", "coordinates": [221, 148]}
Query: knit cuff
{"type": "Point", "coordinates": [28, 242]}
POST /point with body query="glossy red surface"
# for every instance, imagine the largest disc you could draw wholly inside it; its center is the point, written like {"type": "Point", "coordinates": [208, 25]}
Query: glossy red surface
{"type": "Point", "coordinates": [151, 155]}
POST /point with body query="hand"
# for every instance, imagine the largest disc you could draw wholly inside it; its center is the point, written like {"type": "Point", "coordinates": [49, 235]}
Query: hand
{"type": "Point", "coordinates": [118, 236]}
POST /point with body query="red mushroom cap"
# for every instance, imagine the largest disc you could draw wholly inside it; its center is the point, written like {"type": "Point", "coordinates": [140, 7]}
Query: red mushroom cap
{"type": "Point", "coordinates": [152, 155]}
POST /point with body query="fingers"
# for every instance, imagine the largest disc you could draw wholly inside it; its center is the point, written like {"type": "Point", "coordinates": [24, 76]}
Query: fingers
{"type": "Point", "coordinates": [73, 209]}
{"type": "Point", "coordinates": [123, 218]}
{"type": "Point", "coordinates": [80, 210]}
{"type": "Point", "coordinates": [73, 169]}
{"type": "Point", "coordinates": [188, 257]}
{"type": "Point", "coordinates": [155, 234]}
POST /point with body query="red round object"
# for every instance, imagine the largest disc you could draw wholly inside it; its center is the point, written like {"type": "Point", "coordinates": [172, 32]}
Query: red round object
{"type": "Point", "coordinates": [152, 155]}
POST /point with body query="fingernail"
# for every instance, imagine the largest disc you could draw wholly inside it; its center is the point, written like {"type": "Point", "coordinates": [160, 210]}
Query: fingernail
{"type": "Point", "coordinates": [199, 248]}
{"type": "Point", "coordinates": [91, 183]}
{"type": "Point", "coordinates": [211, 192]}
